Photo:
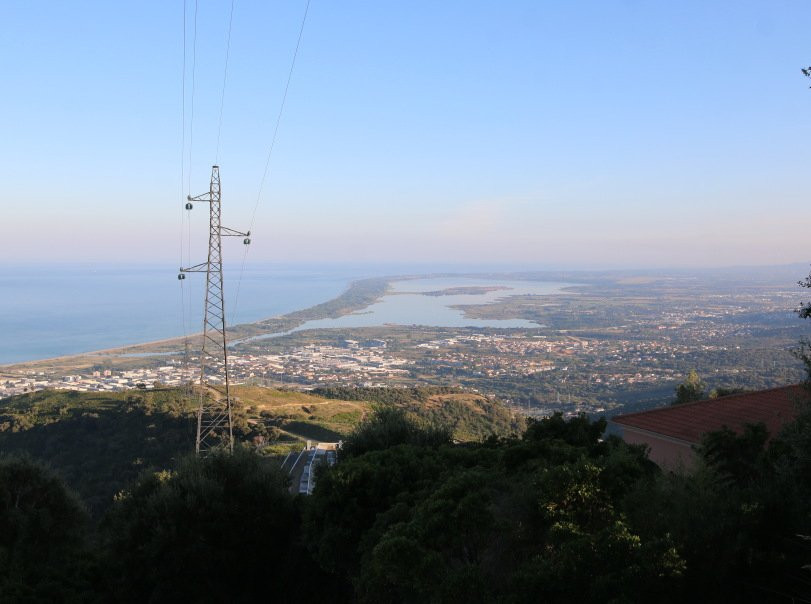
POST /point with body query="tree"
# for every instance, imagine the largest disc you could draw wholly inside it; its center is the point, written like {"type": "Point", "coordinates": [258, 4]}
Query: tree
{"type": "Point", "coordinates": [578, 431]}
{"type": "Point", "coordinates": [41, 535]}
{"type": "Point", "coordinates": [803, 351]}
{"type": "Point", "coordinates": [736, 458]}
{"type": "Point", "coordinates": [222, 528]}
{"type": "Point", "coordinates": [388, 426]}
{"type": "Point", "coordinates": [691, 389]}
{"type": "Point", "coordinates": [507, 520]}
{"type": "Point", "coordinates": [588, 552]}
{"type": "Point", "coordinates": [805, 307]}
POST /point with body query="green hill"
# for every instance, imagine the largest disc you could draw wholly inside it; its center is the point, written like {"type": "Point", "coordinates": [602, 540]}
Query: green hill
{"type": "Point", "coordinates": [100, 442]}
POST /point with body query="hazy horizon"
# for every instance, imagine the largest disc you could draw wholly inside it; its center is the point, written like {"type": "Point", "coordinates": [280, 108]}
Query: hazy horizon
{"type": "Point", "coordinates": [399, 268]}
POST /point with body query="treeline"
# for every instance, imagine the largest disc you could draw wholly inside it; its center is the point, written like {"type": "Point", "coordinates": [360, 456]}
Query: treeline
{"type": "Point", "coordinates": [384, 394]}
{"type": "Point", "coordinates": [98, 442]}
{"type": "Point", "coordinates": [560, 514]}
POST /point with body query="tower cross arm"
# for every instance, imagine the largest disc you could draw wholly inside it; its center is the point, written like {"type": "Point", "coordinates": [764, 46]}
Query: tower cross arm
{"type": "Point", "coordinates": [197, 268]}
{"type": "Point", "coordinates": [201, 197]}
{"type": "Point", "coordinates": [226, 232]}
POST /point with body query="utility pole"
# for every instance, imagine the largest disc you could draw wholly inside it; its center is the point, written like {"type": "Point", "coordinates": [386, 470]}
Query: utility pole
{"type": "Point", "coordinates": [214, 425]}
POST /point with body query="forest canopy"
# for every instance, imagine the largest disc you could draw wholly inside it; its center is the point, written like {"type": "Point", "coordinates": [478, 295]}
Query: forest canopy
{"type": "Point", "coordinates": [559, 514]}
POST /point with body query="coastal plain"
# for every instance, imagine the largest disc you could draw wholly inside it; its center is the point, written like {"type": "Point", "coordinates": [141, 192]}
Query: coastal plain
{"type": "Point", "coordinates": [594, 343]}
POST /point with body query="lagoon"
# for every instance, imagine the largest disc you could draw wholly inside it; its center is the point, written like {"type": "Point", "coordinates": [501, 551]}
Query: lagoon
{"type": "Point", "coordinates": [407, 303]}
{"type": "Point", "coordinates": [50, 311]}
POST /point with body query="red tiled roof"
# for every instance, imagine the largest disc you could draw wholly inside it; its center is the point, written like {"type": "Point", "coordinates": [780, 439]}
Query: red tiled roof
{"type": "Point", "coordinates": [689, 421]}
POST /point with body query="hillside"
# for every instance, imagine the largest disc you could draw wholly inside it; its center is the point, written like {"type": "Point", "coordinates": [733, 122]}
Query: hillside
{"type": "Point", "coordinates": [470, 415]}
{"type": "Point", "coordinates": [100, 442]}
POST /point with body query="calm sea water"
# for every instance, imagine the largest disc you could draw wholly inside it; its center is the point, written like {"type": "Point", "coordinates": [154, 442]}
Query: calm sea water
{"type": "Point", "coordinates": [47, 312]}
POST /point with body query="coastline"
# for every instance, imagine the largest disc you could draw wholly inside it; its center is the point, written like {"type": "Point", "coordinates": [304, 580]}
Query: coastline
{"type": "Point", "coordinates": [360, 294]}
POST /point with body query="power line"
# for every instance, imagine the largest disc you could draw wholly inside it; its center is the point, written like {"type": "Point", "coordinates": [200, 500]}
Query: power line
{"type": "Point", "coordinates": [183, 156]}
{"type": "Point", "coordinates": [224, 79]}
{"type": "Point", "coordinates": [214, 417]}
{"type": "Point", "coordinates": [184, 217]}
{"type": "Point", "coordinates": [281, 110]}
{"type": "Point", "coordinates": [270, 150]}
{"type": "Point", "coordinates": [214, 425]}
{"type": "Point", "coordinates": [182, 168]}
{"type": "Point", "coordinates": [183, 126]}
{"type": "Point", "coordinates": [193, 86]}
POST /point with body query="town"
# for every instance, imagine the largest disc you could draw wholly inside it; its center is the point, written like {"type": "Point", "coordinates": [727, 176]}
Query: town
{"type": "Point", "coordinates": [597, 348]}
{"type": "Point", "coordinates": [561, 371]}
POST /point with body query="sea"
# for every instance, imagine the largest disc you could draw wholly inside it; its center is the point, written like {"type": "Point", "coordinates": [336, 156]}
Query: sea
{"type": "Point", "coordinates": [53, 310]}
{"type": "Point", "coordinates": [50, 311]}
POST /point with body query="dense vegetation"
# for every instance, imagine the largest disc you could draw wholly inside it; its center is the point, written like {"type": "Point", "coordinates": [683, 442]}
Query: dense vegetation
{"type": "Point", "coordinates": [468, 416]}
{"type": "Point", "coordinates": [382, 394]}
{"type": "Point", "coordinates": [101, 442]}
{"type": "Point", "coordinates": [557, 515]}
{"type": "Point", "coordinates": [98, 442]}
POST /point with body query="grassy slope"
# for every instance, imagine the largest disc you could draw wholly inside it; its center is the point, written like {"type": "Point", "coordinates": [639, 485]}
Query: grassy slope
{"type": "Point", "coordinates": [472, 416]}
{"type": "Point", "coordinates": [300, 414]}
{"type": "Point", "coordinates": [99, 442]}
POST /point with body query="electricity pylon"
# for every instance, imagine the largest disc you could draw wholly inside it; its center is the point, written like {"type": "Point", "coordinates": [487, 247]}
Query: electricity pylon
{"type": "Point", "coordinates": [214, 428]}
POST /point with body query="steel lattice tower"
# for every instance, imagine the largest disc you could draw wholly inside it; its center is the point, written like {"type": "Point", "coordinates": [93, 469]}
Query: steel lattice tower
{"type": "Point", "coordinates": [214, 427]}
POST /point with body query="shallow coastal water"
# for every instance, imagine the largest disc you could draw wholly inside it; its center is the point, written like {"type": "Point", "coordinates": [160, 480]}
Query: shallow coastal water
{"type": "Point", "coordinates": [409, 303]}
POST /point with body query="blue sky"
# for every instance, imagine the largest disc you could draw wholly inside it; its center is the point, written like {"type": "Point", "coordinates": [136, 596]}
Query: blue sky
{"type": "Point", "coordinates": [572, 134]}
